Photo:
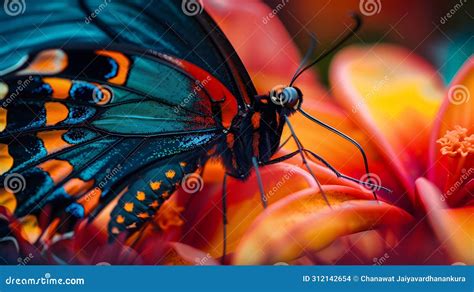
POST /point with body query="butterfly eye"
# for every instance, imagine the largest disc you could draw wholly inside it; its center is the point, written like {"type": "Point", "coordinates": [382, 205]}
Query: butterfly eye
{"type": "Point", "coordinates": [285, 96]}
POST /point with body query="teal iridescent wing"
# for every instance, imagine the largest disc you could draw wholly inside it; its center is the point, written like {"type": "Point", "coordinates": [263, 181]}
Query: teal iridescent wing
{"type": "Point", "coordinates": [158, 25]}
{"type": "Point", "coordinates": [100, 99]}
{"type": "Point", "coordinates": [79, 136]}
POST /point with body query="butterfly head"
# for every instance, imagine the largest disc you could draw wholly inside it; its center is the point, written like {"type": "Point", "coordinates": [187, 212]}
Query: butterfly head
{"type": "Point", "coordinates": [288, 97]}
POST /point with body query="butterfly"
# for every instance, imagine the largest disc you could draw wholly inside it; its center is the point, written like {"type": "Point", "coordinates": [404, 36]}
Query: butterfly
{"type": "Point", "coordinates": [116, 103]}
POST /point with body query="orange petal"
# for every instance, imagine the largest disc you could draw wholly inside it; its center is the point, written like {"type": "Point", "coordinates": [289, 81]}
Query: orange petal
{"type": "Point", "coordinates": [203, 227]}
{"type": "Point", "coordinates": [453, 227]}
{"type": "Point", "coordinates": [452, 170]}
{"type": "Point", "coordinates": [302, 223]}
{"type": "Point", "coordinates": [393, 95]}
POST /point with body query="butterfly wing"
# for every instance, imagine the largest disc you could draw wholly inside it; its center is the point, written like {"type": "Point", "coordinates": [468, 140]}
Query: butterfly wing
{"type": "Point", "coordinates": [88, 123]}
{"type": "Point", "coordinates": [125, 124]}
{"type": "Point", "coordinates": [158, 25]}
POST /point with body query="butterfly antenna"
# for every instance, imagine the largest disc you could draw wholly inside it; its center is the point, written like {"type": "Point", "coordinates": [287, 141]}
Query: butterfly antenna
{"type": "Point", "coordinates": [309, 52]}
{"type": "Point", "coordinates": [341, 134]}
{"type": "Point", "coordinates": [357, 25]}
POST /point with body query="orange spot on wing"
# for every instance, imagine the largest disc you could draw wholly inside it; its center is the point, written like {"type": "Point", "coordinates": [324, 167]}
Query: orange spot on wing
{"type": "Point", "coordinates": [123, 64]}
{"type": "Point", "coordinates": [128, 207]}
{"type": "Point", "coordinates": [6, 160]}
{"type": "Point", "coordinates": [55, 112]}
{"type": "Point", "coordinates": [115, 230]}
{"type": "Point", "coordinates": [50, 231]}
{"type": "Point", "coordinates": [154, 204]}
{"type": "Point", "coordinates": [120, 219]}
{"type": "Point", "coordinates": [256, 120]}
{"type": "Point", "coordinates": [170, 174]}
{"type": "Point", "coordinates": [57, 169]}
{"type": "Point", "coordinates": [140, 196]}
{"type": "Point", "coordinates": [183, 164]}
{"type": "Point", "coordinates": [77, 187]}
{"type": "Point", "coordinates": [3, 119]}
{"type": "Point", "coordinates": [47, 62]}
{"type": "Point", "coordinates": [155, 185]}
{"type": "Point", "coordinates": [61, 86]}
{"type": "Point", "coordinates": [133, 225]}
{"type": "Point", "coordinates": [143, 215]}
{"type": "Point", "coordinates": [230, 140]}
{"type": "Point", "coordinates": [53, 141]}
{"type": "Point", "coordinates": [165, 195]}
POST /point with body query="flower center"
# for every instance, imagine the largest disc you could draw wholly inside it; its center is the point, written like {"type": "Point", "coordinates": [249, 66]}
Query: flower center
{"type": "Point", "coordinates": [457, 142]}
{"type": "Point", "coordinates": [169, 215]}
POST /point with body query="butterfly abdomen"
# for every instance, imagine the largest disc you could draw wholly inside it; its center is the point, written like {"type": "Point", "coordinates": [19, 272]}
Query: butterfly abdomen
{"type": "Point", "coordinates": [140, 203]}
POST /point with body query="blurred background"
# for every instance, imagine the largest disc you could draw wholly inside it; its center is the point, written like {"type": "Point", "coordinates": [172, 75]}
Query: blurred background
{"type": "Point", "coordinates": [441, 31]}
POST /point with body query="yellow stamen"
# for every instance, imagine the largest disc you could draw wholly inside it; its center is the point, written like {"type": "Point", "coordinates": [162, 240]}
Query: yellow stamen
{"type": "Point", "coordinates": [457, 142]}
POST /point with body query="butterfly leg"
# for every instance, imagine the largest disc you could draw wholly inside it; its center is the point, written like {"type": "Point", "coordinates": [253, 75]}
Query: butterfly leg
{"type": "Point", "coordinates": [305, 162]}
{"type": "Point", "coordinates": [224, 217]}
{"type": "Point", "coordinates": [260, 183]}
{"type": "Point", "coordinates": [346, 137]}
{"type": "Point", "coordinates": [341, 175]}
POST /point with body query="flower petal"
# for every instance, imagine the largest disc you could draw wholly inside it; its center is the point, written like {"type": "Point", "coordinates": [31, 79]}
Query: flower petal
{"type": "Point", "coordinates": [302, 222]}
{"type": "Point", "coordinates": [451, 172]}
{"type": "Point", "coordinates": [203, 217]}
{"type": "Point", "coordinates": [453, 227]}
{"type": "Point", "coordinates": [394, 96]}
